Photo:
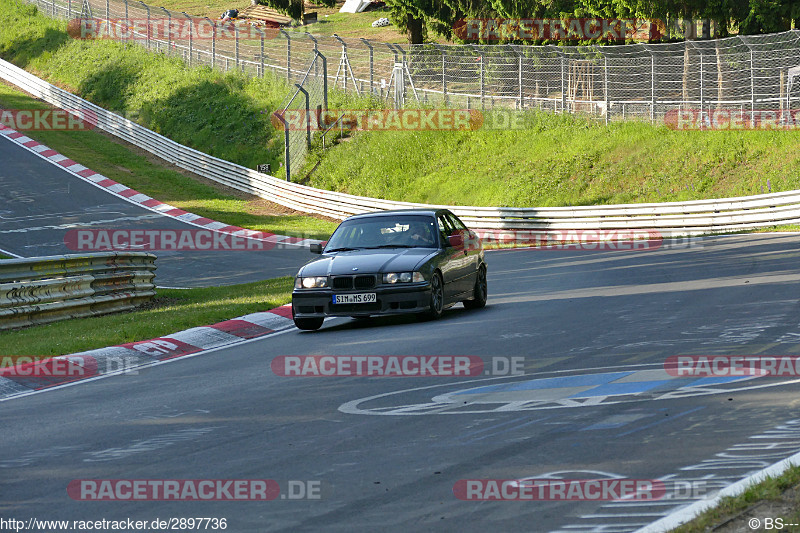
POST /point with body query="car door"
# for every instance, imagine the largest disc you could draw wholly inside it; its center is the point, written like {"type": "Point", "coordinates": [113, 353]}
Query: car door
{"type": "Point", "coordinates": [471, 251]}
{"type": "Point", "coordinates": [457, 260]}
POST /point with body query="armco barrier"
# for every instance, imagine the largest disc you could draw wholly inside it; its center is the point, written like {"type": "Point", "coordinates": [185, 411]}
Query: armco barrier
{"type": "Point", "coordinates": [668, 219]}
{"type": "Point", "coordinates": [46, 289]}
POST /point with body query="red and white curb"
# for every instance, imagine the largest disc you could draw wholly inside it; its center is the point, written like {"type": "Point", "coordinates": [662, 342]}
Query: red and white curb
{"type": "Point", "coordinates": [135, 197]}
{"type": "Point", "coordinates": [25, 378]}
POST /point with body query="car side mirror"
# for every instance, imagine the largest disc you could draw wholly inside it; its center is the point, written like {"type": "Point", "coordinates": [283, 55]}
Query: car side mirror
{"type": "Point", "coordinates": [456, 240]}
{"type": "Point", "coordinates": [315, 248]}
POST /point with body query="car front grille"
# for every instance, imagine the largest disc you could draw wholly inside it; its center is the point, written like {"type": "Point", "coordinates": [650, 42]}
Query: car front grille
{"type": "Point", "coordinates": [354, 282]}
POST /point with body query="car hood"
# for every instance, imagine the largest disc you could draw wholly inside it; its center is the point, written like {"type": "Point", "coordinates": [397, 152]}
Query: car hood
{"type": "Point", "coordinates": [367, 261]}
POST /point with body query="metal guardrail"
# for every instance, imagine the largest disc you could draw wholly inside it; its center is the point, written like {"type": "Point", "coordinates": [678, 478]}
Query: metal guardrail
{"type": "Point", "coordinates": [669, 219]}
{"type": "Point", "coordinates": [46, 289]}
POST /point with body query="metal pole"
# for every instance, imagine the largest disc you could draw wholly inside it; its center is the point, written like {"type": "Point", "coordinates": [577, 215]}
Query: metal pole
{"type": "Point", "coordinates": [169, 27]}
{"type": "Point", "coordinates": [286, 155]}
{"type": "Point", "coordinates": [444, 79]}
{"type": "Point", "coordinates": [190, 36]}
{"type": "Point", "coordinates": [69, 9]}
{"type": "Point", "coordinates": [345, 61]}
{"type": "Point", "coordinates": [147, 8]}
{"type": "Point", "coordinates": [288, 54]}
{"type": "Point", "coordinates": [605, 88]}
{"type": "Point", "coordinates": [108, 20]}
{"type": "Point", "coordinates": [261, 33]}
{"type": "Point", "coordinates": [213, 42]}
{"type": "Point", "coordinates": [563, 83]}
{"type": "Point", "coordinates": [753, 92]}
{"type": "Point", "coordinates": [236, 40]}
{"type": "Point", "coordinates": [308, 114]}
{"type": "Point", "coordinates": [371, 70]}
{"type": "Point", "coordinates": [652, 87]}
{"type": "Point", "coordinates": [521, 89]}
{"type": "Point", "coordinates": [483, 90]}
{"type": "Point", "coordinates": [127, 26]}
{"type": "Point", "coordinates": [324, 80]}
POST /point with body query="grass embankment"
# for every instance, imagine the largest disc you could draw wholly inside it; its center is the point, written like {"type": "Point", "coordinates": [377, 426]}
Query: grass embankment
{"type": "Point", "coordinates": [549, 160]}
{"type": "Point", "coordinates": [173, 310]}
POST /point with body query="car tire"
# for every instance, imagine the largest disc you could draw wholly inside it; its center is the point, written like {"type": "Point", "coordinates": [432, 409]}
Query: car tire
{"type": "Point", "coordinates": [480, 293]}
{"type": "Point", "coordinates": [437, 298]}
{"type": "Point", "coordinates": [308, 324]}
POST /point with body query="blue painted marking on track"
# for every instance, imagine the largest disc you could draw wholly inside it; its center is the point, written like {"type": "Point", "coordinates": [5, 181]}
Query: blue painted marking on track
{"type": "Point", "coordinates": [617, 389]}
{"type": "Point", "coordinates": [588, 380]}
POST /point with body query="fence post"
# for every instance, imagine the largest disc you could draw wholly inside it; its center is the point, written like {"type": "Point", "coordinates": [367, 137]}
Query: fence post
{"type": "Point", "coordinates": [147, 8]}
{"type": "Point", "coordinates": [213, 42]}
{"type": "Point", "coordinates": [324, 80]}
{"type": "Point", "coordinates": [344, 63]}
{"type": "Point", "coordinates": [169, 28]}
{"type": "Point", "coordinates": [652, 87]}
{"type": "Point", "coordinates": [108, 20]}
{"type": "Point", "coordinates": [371, 69]}
{"type": "Point", "coordinates": [308, 114]}
{"type": "Point", "coordinates": [261, 34]}
{"type": "Point", "coordinates": [521, 87]}
{"type": "Point", "coordinates": [127, 23]}
{"type": "Point", "coordinates": [288, 54]}
{"type": "Point", "coordinates": [191, 30]}
{"type": "Point", "coordinates": [53, 7]}
{"type": "Point", "coordinates": [69, 9]}
{"type": "Point", "coordinates": [563, 82]}
{"type": "Point", "coordinates": [236, 40]}
{"type": "Point", "coordinates": [316, 52]}
{"type": "Point", "coordinates": [605, 88]}
{"type": "Point", "coordinates": [483, 87]}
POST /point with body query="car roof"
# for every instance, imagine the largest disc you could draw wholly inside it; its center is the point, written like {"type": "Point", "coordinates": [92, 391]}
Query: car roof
{"type": "Point", "coordinates": [424, 212]}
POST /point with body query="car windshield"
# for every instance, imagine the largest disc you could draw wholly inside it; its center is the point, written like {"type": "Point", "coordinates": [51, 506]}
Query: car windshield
{"type": "Point", "coordinates": [409, 231]}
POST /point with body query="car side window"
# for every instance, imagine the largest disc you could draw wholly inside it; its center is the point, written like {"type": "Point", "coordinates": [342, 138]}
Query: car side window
{"type": "Point", "coordinates": [445, 229]}
{"type": "Point", "coordinates": [455, 222]}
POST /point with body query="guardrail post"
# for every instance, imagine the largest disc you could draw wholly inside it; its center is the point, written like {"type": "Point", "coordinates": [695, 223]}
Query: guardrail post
{"type": "Point", "coordinates": [191, 30]}
{"type": "Point", "coordinates": [147, 8]}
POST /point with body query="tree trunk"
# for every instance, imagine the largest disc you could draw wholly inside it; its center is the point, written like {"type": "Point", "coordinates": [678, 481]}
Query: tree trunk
{"type": "Point", "coordinates": [415, 30]}
{"type": "Point", "coordinates": [706, 29]}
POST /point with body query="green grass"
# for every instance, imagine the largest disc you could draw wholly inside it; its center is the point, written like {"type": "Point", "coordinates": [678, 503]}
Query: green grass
{"type": "Point", "coordinates": [178, 309]}
{"type": "Point", "coordinates": [549, 160]}
{"type": "Point", "coordinates": [555, 160]}
{"type": "Point", "coordinates": [771, 490]}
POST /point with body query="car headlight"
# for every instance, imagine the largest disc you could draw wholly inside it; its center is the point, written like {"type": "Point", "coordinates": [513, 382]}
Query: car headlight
{"type": "Point", "coordinates": [310, 282]}
{"type": "Point", "coordinates": [402, 277]}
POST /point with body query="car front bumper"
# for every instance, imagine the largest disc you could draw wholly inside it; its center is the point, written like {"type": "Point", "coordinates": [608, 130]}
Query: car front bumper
{"type": "Point", "coordinates": [407, 298]}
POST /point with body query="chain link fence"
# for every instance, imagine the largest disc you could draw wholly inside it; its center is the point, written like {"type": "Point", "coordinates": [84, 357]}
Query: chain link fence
{"type": "Point", "coordinates": [642, 81]}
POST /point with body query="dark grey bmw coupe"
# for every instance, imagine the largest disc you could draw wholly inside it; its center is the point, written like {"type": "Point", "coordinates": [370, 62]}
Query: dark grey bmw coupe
{"type": "Point", "coordinates": [387, 262]}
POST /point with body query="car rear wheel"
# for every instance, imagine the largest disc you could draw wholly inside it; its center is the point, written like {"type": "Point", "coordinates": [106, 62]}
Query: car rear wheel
{"type": "Point", "coordinates": [480, 292]}
{"type": "Point", "coordinates": [308, 324]}
{"type": "Point", "coordinates": [437, 298]}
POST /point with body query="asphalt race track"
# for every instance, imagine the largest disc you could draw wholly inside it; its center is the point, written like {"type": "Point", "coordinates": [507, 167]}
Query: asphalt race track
{"type": "Point", "coordinates": [40, 202]}
{"type": "Point", "coordinates": [592, 331]}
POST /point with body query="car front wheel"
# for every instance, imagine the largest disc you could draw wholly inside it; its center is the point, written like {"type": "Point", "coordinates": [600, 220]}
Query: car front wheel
{"type": "Point", "coordinates": [437, 298]}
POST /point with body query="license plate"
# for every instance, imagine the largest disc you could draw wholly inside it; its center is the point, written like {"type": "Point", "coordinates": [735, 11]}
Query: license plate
{"type": "Point", "coordinates": [360, 298]}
